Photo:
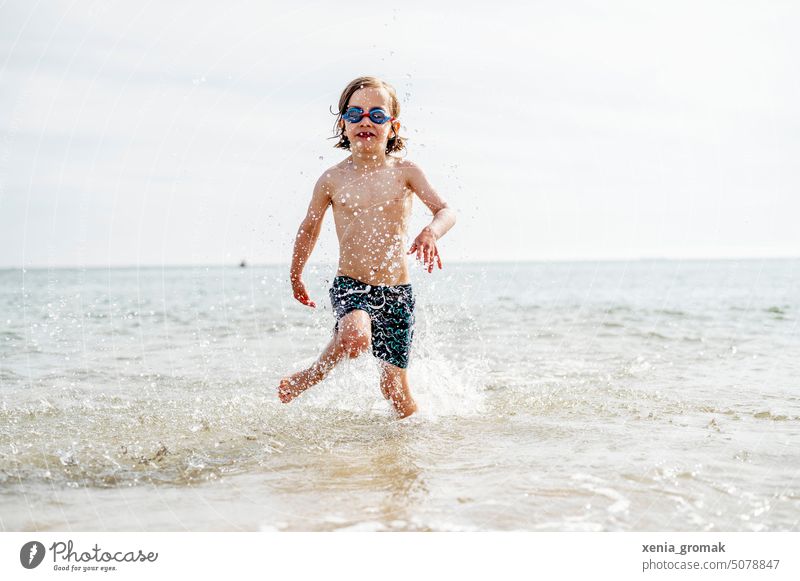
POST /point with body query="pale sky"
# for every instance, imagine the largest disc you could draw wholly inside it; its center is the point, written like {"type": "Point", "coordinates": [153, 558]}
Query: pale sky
{"type": "Point", "coordinates": [134, 133]}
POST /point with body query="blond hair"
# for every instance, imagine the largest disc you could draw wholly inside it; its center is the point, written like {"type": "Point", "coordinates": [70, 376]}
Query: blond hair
{"type": "Point", "coordinates": [395, 143]}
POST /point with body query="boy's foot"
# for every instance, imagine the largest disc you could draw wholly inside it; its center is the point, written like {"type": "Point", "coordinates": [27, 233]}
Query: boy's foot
{"type": "Point", "coordinates": [404, 409]}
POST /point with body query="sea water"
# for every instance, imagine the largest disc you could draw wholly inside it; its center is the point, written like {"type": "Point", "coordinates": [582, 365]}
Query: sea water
{"type": "Point", "coordinates": [621, 396]}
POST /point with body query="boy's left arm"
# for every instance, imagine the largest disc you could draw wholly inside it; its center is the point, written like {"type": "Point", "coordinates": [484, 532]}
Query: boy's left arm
{"type": "Point", "coordinates": [443, 218]}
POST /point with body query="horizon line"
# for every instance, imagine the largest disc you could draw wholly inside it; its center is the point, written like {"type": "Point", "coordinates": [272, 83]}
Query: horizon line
{"type": "Point", "coordinates": [456, 262]}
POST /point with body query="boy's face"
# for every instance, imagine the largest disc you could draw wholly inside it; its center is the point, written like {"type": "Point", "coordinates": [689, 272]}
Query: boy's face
{"type": "Point", "coordinates": [366, 136]}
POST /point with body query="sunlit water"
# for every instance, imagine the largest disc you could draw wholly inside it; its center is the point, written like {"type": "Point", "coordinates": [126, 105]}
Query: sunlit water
{"type": "Point", "coordinates": [649, 395]}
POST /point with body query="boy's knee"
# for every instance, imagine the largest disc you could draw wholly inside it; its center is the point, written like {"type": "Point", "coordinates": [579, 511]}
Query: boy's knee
{"type": "Point", "coordinates": [355, 341]}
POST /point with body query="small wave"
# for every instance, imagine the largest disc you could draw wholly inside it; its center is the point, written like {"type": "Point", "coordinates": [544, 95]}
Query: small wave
{"type": "Point", "coordinates": [671, 312]}
{"type": "Point", "coordinates": [656, 335]}
{"type": "Point", "coordinates": [11, 336]}
{"type": "Point", "coordinates": [8, 375]}
{"type": "Point", "coordinates": [620, 503]}
{"type": "Point", "coordinates": [767, 415]}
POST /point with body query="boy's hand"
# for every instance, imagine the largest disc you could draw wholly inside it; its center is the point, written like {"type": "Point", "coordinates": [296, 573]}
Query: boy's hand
{"type": "Point", "coordinates": [300, 293]}
{"type": "Point", "coordinates": [425, 246]}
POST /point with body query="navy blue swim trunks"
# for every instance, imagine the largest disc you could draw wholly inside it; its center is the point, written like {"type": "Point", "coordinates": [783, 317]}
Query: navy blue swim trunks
{"type": "Point", "coordinates": [390, 308]}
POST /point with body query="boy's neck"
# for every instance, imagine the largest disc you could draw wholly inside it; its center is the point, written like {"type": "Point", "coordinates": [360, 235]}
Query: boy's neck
{"type": "Point", "coordinates": [368, 160]}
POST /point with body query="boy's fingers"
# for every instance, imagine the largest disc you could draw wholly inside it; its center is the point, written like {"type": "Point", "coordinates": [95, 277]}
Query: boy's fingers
{"type": "Point", "coordinates": [303, 298]}
{"type": "Point", "coordinates": [439, 260]}
{"type": "Point", "coordinates": [413, 246]}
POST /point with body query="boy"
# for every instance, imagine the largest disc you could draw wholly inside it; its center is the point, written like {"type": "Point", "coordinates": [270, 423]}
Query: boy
{"type": "Point", "coordinates": [371, 195]}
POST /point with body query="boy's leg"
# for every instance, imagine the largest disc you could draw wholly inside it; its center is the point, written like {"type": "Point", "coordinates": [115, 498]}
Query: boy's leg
{"type": "Point", "coordinates": [394, 385]}
{"type": "Point", "coordinates": [352, 339]}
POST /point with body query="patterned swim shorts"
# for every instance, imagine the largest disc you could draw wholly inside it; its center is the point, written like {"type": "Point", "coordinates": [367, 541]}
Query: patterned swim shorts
{"type": "Point", "coordinates": [390, 309]}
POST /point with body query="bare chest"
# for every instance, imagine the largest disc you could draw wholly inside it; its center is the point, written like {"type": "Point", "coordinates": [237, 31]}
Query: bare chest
{"type": "Point", "coordinates": [385, 192]}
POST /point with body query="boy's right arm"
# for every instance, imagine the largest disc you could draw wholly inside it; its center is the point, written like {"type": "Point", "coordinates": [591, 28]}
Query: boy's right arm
{"type": "Point", "coordinates": [307, 236]}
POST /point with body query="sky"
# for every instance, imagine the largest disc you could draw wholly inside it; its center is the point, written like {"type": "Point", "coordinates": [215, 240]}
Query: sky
{"type": "Point", "coordinates": [151, 133]}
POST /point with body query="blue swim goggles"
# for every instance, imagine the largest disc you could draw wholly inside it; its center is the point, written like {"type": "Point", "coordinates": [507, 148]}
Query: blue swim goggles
{"type": "Point", "coordinates": [376, 115]}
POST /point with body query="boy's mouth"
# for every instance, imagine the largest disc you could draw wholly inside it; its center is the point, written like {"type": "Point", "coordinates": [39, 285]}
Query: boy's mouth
{"type": "Point", "coordinates": [365, 134]}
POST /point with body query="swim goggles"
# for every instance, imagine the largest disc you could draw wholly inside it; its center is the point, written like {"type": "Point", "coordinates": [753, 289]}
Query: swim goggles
{"type": "Point", "coordinates": [376, 115]}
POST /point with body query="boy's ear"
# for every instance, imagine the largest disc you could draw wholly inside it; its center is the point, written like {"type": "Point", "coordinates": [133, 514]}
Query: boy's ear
{"type": "Point", "coordinates": [396, 127]}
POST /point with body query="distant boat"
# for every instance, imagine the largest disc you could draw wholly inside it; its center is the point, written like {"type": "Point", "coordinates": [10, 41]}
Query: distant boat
{"type": "Point", "coordinates": [242, 264]}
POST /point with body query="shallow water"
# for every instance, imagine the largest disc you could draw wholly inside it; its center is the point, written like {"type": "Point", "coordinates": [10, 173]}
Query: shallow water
{"type": "Point", "coordinates": [645, 395]}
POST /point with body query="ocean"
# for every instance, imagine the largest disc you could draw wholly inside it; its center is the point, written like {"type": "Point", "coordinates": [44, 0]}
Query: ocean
{"type": "Point", "coordinates": [648, 395]}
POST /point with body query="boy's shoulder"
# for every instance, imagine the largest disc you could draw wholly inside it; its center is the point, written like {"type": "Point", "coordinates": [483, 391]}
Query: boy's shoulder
{"type": "Point", "coordinates": [403, 163]}
{"type": "Point", "coordinates": [411, 171]}
{"type": "Point", "coordinates": [329, 177]}
{"type": "Point", "coordinates": [333, 172]}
